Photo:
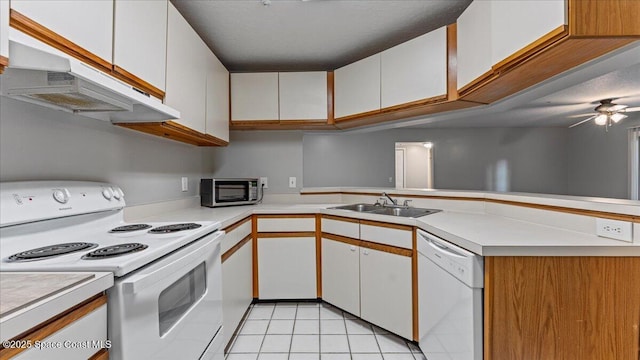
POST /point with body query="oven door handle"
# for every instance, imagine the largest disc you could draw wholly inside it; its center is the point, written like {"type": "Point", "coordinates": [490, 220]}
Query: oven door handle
{"type": "Point", "coordinates": [136, 283]}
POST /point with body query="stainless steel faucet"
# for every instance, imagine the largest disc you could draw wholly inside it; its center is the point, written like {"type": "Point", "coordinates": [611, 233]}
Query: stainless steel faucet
{"type": "Point", "coordinates": [394, 202]}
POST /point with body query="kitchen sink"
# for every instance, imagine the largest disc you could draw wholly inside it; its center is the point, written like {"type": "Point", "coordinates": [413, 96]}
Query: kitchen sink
{"type": "Point", "coordinates": [405, 212]}
{"type": "Point", "coordinates": [359, 207]}
{"type": "Point", "coordinates": [394, 211]}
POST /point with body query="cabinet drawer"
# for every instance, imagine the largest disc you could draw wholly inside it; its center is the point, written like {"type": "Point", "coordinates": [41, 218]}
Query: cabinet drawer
{"type": "Point", "coordinates": [342, 228]}
{"type": "Point", "coordinates": [287, 224]}
{"type": "Point", "coordinates": [91, 329]}
{"type": "Point", "coordinates": [387, 235]}
{"type": "Point", "coordinates": [235, 235]}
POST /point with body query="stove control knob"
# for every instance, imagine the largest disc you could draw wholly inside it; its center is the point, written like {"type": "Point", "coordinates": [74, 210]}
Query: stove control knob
{"type": "Point", "coordinates": [107, 193]}
{"type": "Point", "coordinates": [61, 195]}
{"type": "Point", "coordinates": [116, 193]}
{"type": "Point", "coordinates": [120, 192]}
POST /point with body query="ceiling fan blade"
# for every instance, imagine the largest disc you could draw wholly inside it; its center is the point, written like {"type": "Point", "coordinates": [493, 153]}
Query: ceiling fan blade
{"type": "Point", "coordinates": [633, 109]}
{"type": "Point", "coordinates": [580, 115]}
{"type": "Point", "coordinates": [583, 121]}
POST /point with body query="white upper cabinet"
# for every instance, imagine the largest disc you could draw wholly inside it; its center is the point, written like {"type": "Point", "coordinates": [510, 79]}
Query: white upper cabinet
{"type": "Point", "coordinates": [4, 28]}
{"type": "Point", "coordinates": [254, 96]}
{"type": "Point", "coordinates": [303, 95]}
{"type": "Point", "coordinates": [474, 42]}
{"type": "Point", "coordinates": [415, 70]}
{"type": "Point", "coordinates": [140, 39]}
{"type": "Point", "coordinates": [217, 99]}
{"type": "Point", "coordinates": [489, 31]}
{"type": "Point", "coordinates": [88, 24]}
{"type": "Point", "coordinates": [518, 23]}
{"type": "Point", "coordinates": [186, 75]}
{"type": "Point", "coordinates": [357, 87]}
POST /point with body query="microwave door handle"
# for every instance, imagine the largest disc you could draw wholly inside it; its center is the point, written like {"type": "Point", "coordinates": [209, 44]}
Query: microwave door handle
{"type": "Point", "coordinates": [137, 283]}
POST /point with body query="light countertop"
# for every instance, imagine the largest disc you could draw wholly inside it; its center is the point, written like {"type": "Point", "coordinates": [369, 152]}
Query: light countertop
{"type": "Point", "coordinates": [31, 298]}
{"type": "Point", "coordinates": [483, 234]}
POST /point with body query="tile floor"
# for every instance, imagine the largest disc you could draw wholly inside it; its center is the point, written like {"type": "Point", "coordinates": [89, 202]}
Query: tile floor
{"type": "Point", "coordinates": [313, 331]}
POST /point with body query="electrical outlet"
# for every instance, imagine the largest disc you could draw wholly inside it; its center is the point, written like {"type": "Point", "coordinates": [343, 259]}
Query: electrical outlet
{"type": "Point", "coordinates": [264, 181]}
{"type": "Point", "coordinates": [292, 181]}
{"type": "Point", "coordinates": [614, 229]}
{"type": "Point", "coordinates": [185, 183]}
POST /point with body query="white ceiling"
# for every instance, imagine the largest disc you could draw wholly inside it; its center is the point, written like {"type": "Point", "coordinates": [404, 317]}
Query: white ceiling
{"type": "Point", "coordinates": [313, 34]}
{"type": "Point", "coordinates": [326, 34]}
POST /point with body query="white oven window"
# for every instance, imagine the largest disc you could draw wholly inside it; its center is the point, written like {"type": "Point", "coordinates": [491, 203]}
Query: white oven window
{"type": "Point", "coordinates": [179, 297]}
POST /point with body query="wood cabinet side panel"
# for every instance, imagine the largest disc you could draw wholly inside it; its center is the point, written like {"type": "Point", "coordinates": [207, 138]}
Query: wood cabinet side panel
{"type": "Point", "coordinates": [604, 17]}
{"type": "Point", "coordinates": [562, 307]}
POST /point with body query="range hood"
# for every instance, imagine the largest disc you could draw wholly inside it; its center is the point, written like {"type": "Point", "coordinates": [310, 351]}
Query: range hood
{"type": "Point", "coordinates": [42, 75]}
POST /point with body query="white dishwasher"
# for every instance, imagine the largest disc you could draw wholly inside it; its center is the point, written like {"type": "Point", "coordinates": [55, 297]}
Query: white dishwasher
{"type": "Point", "coordinates": [450, 300]}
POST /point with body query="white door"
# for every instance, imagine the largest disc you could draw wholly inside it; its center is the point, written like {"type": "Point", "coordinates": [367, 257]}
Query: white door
{"type": "Point", "coordinates": [287, 268]}
{"type": "Point", "coordinates": [400, 168]}
{"type": "Point", "coordinates": [386, 291]}
{"type": "Point", "coordinates": [237, 288]}
{"type": "Point", "coordinates": [341, 275]}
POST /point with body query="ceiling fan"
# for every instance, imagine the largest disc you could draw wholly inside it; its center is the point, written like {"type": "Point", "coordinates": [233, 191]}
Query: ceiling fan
{"type": "Point", "coordinates": [607, 113]}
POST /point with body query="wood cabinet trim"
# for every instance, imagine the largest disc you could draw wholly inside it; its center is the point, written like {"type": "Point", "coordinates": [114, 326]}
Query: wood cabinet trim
{"type": "Point", "coordinates": [103, 354]}
{"type": "Point", "coordinates": [237, 224]}
{"type": "Point", "coordinates": [598, 18]}
{"type": "Point", "coordinates": [532, 49]}
{"type": "Point", "coordinates": [270, 235]}
{"type": "Point", "coordinates": [330, 101]}
{"type": "Point", "coordinates": [414, 285]}
{"type": "Point", "coordinates": [318, 256]}
{"type": "Point", "coordinates": [285, 216]}
{"type": "Point", "coordinates": [55, 324]}
{"type": "Point", "coordinates": [592, 213]}
{"type": "Point", "coordinates": [4, 62]}
{"type": "Point", "coordinates": [236, 247]}
{"type": "Point", "coordinates": [386, 225]}
{"type": "Point", "coordinates": [137, 82]}
{"type": "Point", "coordinates": [49, 37]}
{"type": "Point", "coordinates": [452, 62]}
{"type": "Point", "coordinates": [175, 131]}
{"type": "Point", "coordinates": [254, 255]}
{"type": "Point", "coordinates": [369, 245]}
{"type": "Point", "coordinates": [341, 218]}
{"type": "Point", "coordinates": [342, 239]}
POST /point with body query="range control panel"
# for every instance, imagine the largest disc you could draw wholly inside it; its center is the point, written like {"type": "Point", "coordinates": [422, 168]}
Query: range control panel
{"type": "Point", "coordinates": [23, 202]}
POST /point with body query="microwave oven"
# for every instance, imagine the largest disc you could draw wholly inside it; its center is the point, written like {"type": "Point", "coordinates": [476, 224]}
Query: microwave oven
{"type": "Point", "coordinates": [228, 192]}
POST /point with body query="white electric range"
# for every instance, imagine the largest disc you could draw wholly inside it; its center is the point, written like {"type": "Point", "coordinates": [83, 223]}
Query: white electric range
{"type": "Point", "coordinates": [167, 299]}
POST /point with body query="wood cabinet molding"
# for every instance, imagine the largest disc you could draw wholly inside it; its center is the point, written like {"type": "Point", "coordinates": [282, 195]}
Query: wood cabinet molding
{"type": "Point", "coordinates": [575, 211]}
{"type": "Point", "coordinates": [341, 218]}
{"type": "Point", "coordinates": [414, 286]}
{"type": "Point", "coordinates": [175, 131]}
{"type": "Point", "coordinates": [236, 247]}
{"type": "Point", "coordinates": [452, 62]}
{"type": "Point", "coordinates": [370, 245]}
{"type": "Point", "coordinates": [387, 225]}
{"type": "Point", "coordinates": [137, 82]}
{"type": "Point", "coordinates": [254, 245]}
{"type": "Point", "coordinates": [103, 354]}
{"type": "Point", "coordinates": [237, 224]}
{"type": "Point", "coordinates": [318, 236]}
{"type": "Point", "coordinates": [4, 62]}
{"type": "Point", "coordinates": [42, 33]}
{"type": "Point", "coordinates": [54, 325]}
{"type": "Point", "coordinates": [591, 18]}
{"type": "Point", "coordinates": [561, 307]}
{"type": "Point", "coordinates": [47, 36]}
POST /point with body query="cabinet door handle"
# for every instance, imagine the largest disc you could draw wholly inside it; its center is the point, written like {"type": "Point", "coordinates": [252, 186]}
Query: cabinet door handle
{"type": "Point", "coordinates": [365, 252]}
{"type": "Point", "coordinates": [352, 248]}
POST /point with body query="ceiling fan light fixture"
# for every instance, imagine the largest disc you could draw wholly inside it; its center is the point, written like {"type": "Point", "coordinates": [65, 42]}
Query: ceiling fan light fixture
{"type": "Point", "coordinates": [601, 119]}
{"type": "Point", "coordinates": [617, 117]}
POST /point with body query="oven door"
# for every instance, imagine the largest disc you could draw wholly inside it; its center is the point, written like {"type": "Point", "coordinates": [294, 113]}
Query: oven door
{"type": "Point", "coordinates": [171, 309]}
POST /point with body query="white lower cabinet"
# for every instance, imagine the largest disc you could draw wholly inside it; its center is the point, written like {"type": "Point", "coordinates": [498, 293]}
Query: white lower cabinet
{"type": "Point", "coordinates": [386, 291]}
{"type": "Point", "coordinates": [341, 275]}
{"type": "Point", "coordinates": [237, 288]}
{"type": "Point", "coordinates": [287, 268]}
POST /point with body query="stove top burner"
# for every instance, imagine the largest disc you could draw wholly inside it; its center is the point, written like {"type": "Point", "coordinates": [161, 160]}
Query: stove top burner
{"type": "Point", "coordinates": [51, 250]}
{"type": "Point", "coordinates": [113, 251]}
{"type": "Point", "coordinates": [174, 228]}
{"type": "Point", "coordinates": [129, 228]}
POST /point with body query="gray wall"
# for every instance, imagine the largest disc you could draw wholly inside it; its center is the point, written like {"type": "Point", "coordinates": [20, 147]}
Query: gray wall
{"type": "Point", "coordinates": [274, 154]}
{"type": "Point", "coordinates": [598, 160]}
{"type": "Point", "coordinates": [42, 144]}
{"type": "Point", "coordinates": [465, 159]}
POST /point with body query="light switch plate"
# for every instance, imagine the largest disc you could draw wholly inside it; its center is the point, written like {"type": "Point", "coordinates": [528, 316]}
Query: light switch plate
{"type": "Point", "coordinates": [185, 183]}
{"type": "Point", "coordinates": [614, 229]}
